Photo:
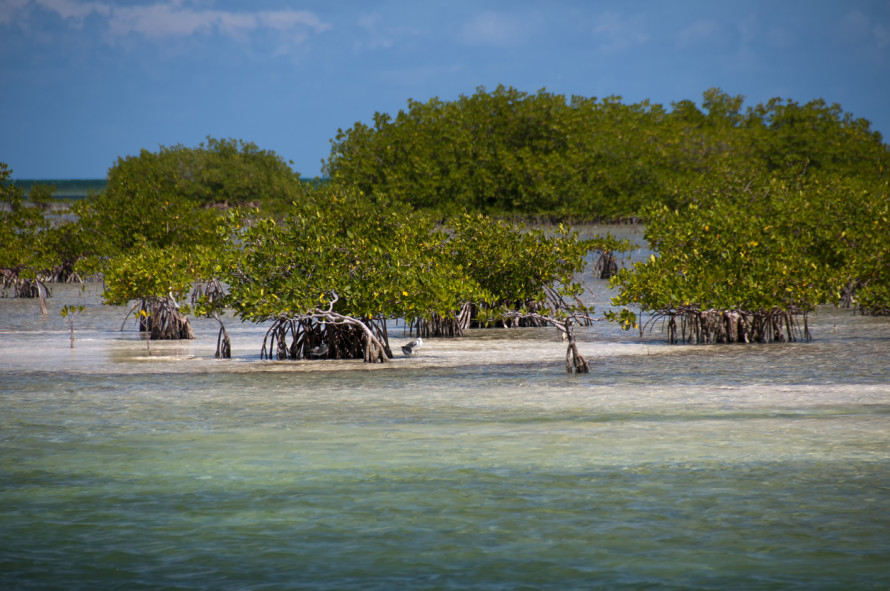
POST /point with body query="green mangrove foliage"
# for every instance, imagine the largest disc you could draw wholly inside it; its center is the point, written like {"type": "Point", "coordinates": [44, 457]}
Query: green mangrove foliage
{"type": "Point", "coordinates": [507, 151]}
{"type": "Point", "coordinates": [38, 246]}
{"type": "Point", "coordinates": [151, 230]}
{"type": "Point", "coordinates": [173, 197]}
{"type": "Point", "coordinates": [851, 236]}
{"type": "Point", "coordinates": [332, 273]}
{"type": "Point", "coordinates": [41, 195]}
{"type": "Point", "coordinates": [159, 199]}
{"type": "Point", "coordinates": [24, 255]}
{"type": "Point", "coordinates": [745, 260]}
{"type": "Point", "coordinates": [335, 271]}
{"type": "Point", "coordinates": [159, 281]}
{"type": "Point", "coordinates": [756, 215]}
{"type": "Point", "coordinates": [230, 173]}
{"type": "Point", "coordinates": [328, 277]}
{"type": "Point", "coordinates": [220, 172]}
{"type": "Point", "coordinates": [527, 271]}
{"type": "Point", "coordinates": [67, 245]}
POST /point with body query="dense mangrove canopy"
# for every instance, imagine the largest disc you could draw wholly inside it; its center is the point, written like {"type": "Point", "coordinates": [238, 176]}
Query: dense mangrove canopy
{"type": "Point", "coordinates": [756, 215]}
{"type": "Point", "coordinates": [747, 257]}
{"type": "Point", "coordinates": [164, 198]}
{"type": "Point", "coordinates": [507, 151]}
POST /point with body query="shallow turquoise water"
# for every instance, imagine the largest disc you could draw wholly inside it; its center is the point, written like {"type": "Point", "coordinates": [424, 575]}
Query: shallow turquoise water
{"type": "Point", "coordinates": [478, 465]}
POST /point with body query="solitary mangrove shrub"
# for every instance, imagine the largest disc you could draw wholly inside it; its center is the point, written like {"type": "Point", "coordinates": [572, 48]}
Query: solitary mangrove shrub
{"type": "Point", "coordinates": [156, 284]}
{"type": "Point", "coordinates": [748, 260]}
{"type": "Point", "coordinates": [172, 196]}
{"type": "Point", "coordinates": [229, 173]}
{"type": "Point", "coordinates": [68, 312]}
{"type": "Point", "coordinates": [334, 271]}
{"type": "Point", "coordinates": [728, 270]}
{"type": "Point", "coordinates": [328, 277]}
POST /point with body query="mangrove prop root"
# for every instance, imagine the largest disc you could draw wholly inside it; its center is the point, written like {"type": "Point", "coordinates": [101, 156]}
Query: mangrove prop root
{"type": "Point", "coordinates": [161, 319]}
{"type": "Point", "coordinates": [443, 326]}
{"type": "Point", "coordinates": [849, 300]}
{"type": "Point", "coordinates": [25, 288]}
{"type": "Point", "coordinates": [606, 266]}
{"type": "Point", "coordinates": [223, 344]}
{"type": "Point", "coordinates": [575, 362]}
{"type": "Point", "coordinates": [338, 336]}
{"type": "Point", "coordinates": [522, 315]}
{"type": "Point", "coordinates": [689, 324]}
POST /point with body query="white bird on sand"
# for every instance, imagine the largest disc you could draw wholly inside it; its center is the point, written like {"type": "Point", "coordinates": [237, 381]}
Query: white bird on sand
{"type": "Point", "coordinates": [409, 348]}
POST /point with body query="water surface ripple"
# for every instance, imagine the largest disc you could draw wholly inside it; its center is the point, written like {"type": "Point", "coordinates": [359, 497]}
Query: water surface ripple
{"type": "Point", "coordinates": [477, 465]}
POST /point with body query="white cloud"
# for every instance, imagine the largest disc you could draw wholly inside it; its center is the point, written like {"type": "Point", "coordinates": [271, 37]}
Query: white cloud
{"type": "Point", "coordinates": [288, 19]}
{"type": "Point", "coordinates": [496, 29]}
{"type": "Point", "coordinates": [617, 33]}
{"type": "Point", "coordinates": [71, 9]}
{"type": "Point", "coordinates": [234, 24]}
{"type": "Point", "coordinates": [173, 18]}
{"type": "Point", "coordinates": [163, 20]}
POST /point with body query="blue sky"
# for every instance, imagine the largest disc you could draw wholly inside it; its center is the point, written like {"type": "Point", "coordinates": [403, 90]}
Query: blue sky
{"type": "Point", "coordinates": [83, 82]}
